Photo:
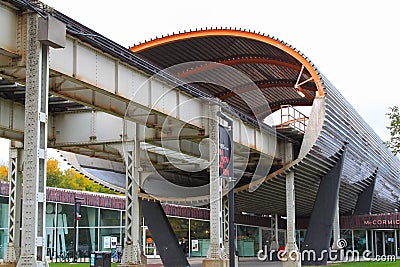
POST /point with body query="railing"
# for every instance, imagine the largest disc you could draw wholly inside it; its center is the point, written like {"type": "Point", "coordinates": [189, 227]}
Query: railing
{"type": "Point", "coordinates": [292, 118]}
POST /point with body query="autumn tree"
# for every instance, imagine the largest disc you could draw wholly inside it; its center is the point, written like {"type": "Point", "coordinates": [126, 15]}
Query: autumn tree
{"type": "Point", "coordinates": [394, 128]}
{"type": "Point", "coordinates": [71, 179]}
{"type": "Point", "coordinates": [3, 173]}
{"type": "Point", "coordinates": [54, 174]}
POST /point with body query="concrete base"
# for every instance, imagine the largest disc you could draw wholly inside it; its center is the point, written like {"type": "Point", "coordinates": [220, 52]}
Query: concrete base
{"type": "Point", "coordinates": [9, 256]}
{"type": "Point", "coordinates": [292, 257]}
{"type": "Point", "coordinates": [8, 264]}
{"type": "Point", "coordinates": [215, 263]}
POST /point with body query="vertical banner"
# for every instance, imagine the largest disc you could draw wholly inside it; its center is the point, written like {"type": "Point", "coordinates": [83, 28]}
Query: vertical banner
{"type": "Point", "coordinates": [225, 153]}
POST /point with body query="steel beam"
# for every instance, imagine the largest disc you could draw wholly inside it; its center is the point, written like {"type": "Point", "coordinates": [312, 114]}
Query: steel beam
{"type": "Point", "coordinates": [35, 147]}
{"type": "Point", "coordinates": [216, 231]}
{"type": "Point", "coordinates": [132, 252]}
{"type": "Point", "coordinates": [14, 203]}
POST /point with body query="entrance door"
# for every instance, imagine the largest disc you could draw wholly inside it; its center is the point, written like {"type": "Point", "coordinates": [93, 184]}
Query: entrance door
{"type": "Point", "coordinates": [150, 250]}
{"type": "Point", "coordinates": [389, 243]}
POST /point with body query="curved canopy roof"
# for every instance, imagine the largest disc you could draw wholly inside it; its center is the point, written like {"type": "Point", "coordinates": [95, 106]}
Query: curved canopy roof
{"type": "Point", "coordinates": [279, 71]}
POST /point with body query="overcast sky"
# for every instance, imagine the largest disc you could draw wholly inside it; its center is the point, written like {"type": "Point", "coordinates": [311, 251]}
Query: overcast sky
{"type": "Point", "coordinates": [355, 44]}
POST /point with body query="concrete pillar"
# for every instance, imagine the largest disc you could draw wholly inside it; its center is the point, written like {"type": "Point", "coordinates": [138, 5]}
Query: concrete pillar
{"type": "Point", "coordinates": [132, 252]}
{"type": "Point", "coordinates": [14, 203]}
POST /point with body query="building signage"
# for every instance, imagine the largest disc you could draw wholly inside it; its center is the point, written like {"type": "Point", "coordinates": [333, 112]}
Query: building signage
{"type": "Point", "coordinates": [376, 221]}
{"type": "Point", "coordinates": [225, 153]}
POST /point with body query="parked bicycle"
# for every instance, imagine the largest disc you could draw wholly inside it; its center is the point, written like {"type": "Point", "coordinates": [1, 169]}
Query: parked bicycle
{"type": "Point", "coordinates": [65, 256]}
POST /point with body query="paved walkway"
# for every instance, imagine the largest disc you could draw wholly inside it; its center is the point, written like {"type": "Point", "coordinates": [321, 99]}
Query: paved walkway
{"type": "Point", "coordinates": [197, 262]}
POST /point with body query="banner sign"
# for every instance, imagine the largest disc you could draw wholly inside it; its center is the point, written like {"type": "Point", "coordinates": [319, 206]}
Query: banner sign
{"type": "Point", "coordinates": [225, 153]}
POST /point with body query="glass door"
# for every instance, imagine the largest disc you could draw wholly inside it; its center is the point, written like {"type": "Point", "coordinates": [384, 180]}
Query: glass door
{"type": "Point", "coordinates": [150, 250]}
{"type": "Point", "coordinates": [389, 243]}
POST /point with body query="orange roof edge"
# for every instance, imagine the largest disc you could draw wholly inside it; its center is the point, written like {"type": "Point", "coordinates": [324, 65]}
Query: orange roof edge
{"type": "Point", "coordinates": [237, 33]}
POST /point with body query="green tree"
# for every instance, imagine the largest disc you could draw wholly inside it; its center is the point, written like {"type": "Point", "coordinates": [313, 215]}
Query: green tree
{"type": "Point", "coordinates": [3, 173]}
{"type": "Point", "coordinates": [394, 128]}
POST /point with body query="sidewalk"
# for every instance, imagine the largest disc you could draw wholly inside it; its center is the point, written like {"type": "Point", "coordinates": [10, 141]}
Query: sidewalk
{"type": "Point", "coordinates": [243, 261]}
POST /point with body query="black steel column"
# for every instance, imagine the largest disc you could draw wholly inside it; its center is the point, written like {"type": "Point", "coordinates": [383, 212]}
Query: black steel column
{"type": "Point", "coordinates": [319, 232]}
{"type": "Point", "coordinates": [364, 201]}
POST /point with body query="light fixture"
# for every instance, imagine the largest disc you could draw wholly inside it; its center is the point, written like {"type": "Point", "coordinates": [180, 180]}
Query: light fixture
{"type": "Point", "coordinates": [301, 93]}
{"type": "Point", "coordinates": [299, 90]}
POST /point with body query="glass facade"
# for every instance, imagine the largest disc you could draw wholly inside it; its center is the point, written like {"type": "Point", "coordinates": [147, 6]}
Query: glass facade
{"type": "Point", "coordinates": [199, 238]}
{"type": "Point", "coordinates": [94, 227]}
{"type": "Point", "coordinates": [97, 225]}
{"type": "Point", "coordinates": [3, 225]}
{"type": "Point", "coordinates": [247, 240]}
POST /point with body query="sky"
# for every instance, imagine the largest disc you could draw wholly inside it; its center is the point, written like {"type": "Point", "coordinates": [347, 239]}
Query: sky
{"type": "Point", "coordinates": [355, 44]}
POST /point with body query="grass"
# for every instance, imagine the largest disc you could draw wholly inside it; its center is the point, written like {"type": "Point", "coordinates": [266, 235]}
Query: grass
{"type": "Point", "coordinates": [369, 264]}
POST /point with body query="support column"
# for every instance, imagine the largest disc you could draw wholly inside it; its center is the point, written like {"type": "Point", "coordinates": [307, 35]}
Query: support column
{"type": "Point", "coordinates": [336, 227]}
{"type": "Point", "coordinates": [132, 252]}
{"type": "Point", "coordinates": [365, 198]}
{"type": "Point", "coordinates": [35, 148]}
{"type": "Point", "coordinates": [292, 251]}
{"type": "Point", "coordinates": [14, 204]}
{"type": "Point", "coordinates": [215, 255]}
{"type": "Point", "coordinates": [275, 232]}
{"type": "Point", "coordinates": [319, 230]}
{"type": "Point", "coordinates": [225, 208]}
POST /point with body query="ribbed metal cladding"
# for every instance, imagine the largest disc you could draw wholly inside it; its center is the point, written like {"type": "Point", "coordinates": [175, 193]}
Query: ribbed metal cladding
{"type": "Point", "coordinates": [365, 153]}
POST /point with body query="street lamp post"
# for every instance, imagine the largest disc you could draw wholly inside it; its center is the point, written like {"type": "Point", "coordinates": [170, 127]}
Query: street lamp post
{"type": "Point", "coordinates": [77, 217]}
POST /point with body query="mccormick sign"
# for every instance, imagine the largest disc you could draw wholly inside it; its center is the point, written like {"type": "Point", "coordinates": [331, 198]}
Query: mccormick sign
{"type": "Point", "coordinates": [376, 221]}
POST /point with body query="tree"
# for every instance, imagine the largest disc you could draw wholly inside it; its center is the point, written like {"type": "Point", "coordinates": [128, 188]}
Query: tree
{"type": "Point", "coordinates": [3, 173]}
{"type": "Point", "coordinates": [68, 179]}
{"type": "Point", "coordinates": [394, 128]}
{"type": "Point", "coordinates": [71, 179]}
{"type": "Point", "coordinates": [54, 174]}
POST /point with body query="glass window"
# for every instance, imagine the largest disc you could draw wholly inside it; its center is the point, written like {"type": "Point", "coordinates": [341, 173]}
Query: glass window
{"type": "Point", "coordinates": [3, 213]}
{"type": "Point", "coordinates": [65, 215]}
{"type": "Point", "coordinates": [110, 217]}
{"type": "Point", "coordinates": [199, 229]}
{"type": "Point", "coordinates": [180, 227]}
{"type": "Point", "coordinates": [64, 222]}
{"type": "Point", "coordinates": [398, 242]}
{"type": "Point", "coordinates": [282, 238]}
{"type": "Point", "coordinates": [50, 229]}
{"type": "Point", "coordinates": [346, 234]}
{"type": "Point", "coordinates": [200, 238]}
{"type": "Point", "coordinates": [360, 241]}
{"type": "Point", "coordinates": [3, 242]}
{"type": "Point", "coordinates": [87, 241]}
{"type": "Point", "coordinates": [89, 217]}
{"type": "Point", "coordinates": [109, 232]}
{"type": "Point", "coordinates": [247, 241]}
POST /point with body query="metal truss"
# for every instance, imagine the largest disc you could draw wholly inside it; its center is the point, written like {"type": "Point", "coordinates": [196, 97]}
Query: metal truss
{"type": "Point", "coordinates": [14, 204]}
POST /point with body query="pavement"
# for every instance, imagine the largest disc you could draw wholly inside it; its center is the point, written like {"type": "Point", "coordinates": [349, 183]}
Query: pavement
{"type": "Point", "coordinates": [197, 262]}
